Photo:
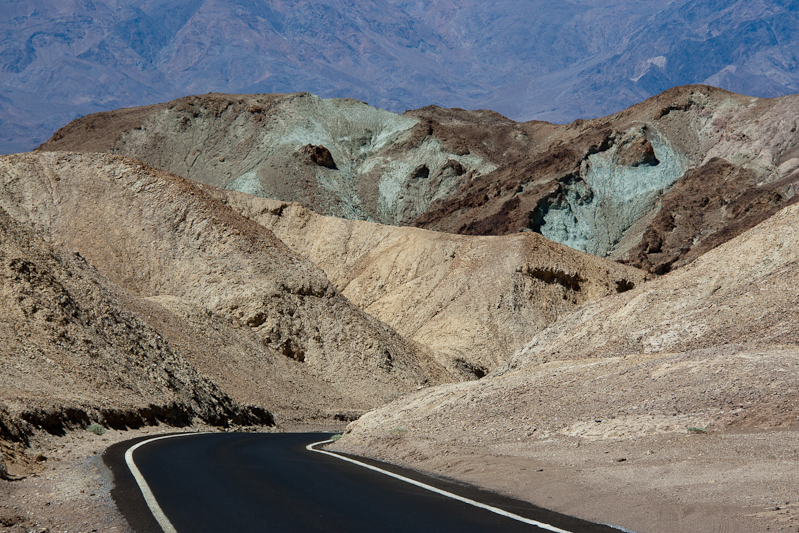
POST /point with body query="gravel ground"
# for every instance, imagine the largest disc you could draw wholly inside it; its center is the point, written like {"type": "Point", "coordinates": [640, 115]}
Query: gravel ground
{"type": "Point", "coordinates": [68, 489]}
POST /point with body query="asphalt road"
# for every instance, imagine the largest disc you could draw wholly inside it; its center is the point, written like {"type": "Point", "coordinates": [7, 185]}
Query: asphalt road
{"type": "Point", "coordinates": [269, 482]}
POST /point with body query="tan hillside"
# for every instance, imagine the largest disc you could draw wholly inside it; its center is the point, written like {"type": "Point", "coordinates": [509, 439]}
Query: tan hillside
{"type": "Point", "coordinates": [473, 300]}
{"type": "Point", "coordinates": [713, 346]}
{"type": "Point", "coordinates": [740, 294]}
{"type": "Point", "coordinates": [73, 350]}
{"type": "Point", "coordinates": [259, 320]}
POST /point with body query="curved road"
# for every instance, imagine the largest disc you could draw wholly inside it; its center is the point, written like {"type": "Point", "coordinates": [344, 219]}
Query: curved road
{"type": "Point", "coordinates": [270, 482]}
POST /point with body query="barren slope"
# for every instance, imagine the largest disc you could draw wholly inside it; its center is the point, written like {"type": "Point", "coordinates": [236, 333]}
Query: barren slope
{"type": "Point", "coordinates": [72, 350]}
{"type": "Point", "coordinates": [341, 157]}
{"type": "Point", "coordinates": [220, 287]}
{"type": "Point", "coordinates": [655, 185]}
{"type": "Point", "coordinates": [473, 300]}
{"type": "Point", "coordinates": [712, 346]}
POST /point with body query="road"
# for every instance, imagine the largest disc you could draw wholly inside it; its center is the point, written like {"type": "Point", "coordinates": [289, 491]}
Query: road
{"type": "Point", "coordinates": [270, 482]}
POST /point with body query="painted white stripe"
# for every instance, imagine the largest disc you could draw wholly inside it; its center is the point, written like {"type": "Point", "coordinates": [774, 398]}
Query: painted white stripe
{"type": "Point", "coordinates": [159, 515]}
{"type": "Point", "coordinates": [496, 510]}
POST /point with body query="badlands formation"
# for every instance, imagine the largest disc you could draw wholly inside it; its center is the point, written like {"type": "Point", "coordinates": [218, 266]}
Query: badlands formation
{"type": "Point", "coordinates": [218, 287]}
{"type": "Point", "coordinates": [655, 185]}
{"type": "Point", "coordinates": [134, 297]}
{"type": "Point", "coordinates": [268, 260]}
{"type": "Point", "coordinates": [472, 300]}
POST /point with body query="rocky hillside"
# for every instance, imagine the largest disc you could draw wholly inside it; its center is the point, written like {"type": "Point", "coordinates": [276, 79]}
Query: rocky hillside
{"type": "Point", "coordinates": [472, 300]}
{"type": "Point", "coordinates": [655, 186]}
{"type": "Point", "coordinates": [339, 157]}
{"type": "Point", "coordinates": [209, 271]}
{"type": "Point", "coordinates": [708, 350]}
{"type": "Point", "coordinates": [202, 284]}
{"type": "Point", "coordinates": [74, 350]}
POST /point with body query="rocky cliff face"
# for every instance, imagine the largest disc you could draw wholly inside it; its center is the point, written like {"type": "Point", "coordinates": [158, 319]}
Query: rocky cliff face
{"type": "Point", "coordinates": [654, 186]}
{"type": "Point", "coordinates": [618, 186]}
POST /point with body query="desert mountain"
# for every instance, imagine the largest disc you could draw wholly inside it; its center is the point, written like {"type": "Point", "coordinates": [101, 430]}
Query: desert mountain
{"type": "Point", "coordinates": [339, 157]}
{"type": "Point", "coordinates": [473, 300]}
{"type": "Point", "coordinates": [524, 58]}
{"type": "Point", "coordinates": [655, 186]}
{"type": "Point", "coordinates": [708, 349]}
{"type": "Point", "coordinates": [223, 292]}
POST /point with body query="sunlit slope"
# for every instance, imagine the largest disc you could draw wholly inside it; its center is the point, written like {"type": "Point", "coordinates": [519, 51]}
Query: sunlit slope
{"type": "Point", "coordinates": [215, 278]}
{"type": "Point", "coordinates": [473, 300]}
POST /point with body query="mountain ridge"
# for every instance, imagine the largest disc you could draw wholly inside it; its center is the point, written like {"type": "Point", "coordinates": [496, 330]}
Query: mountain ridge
{"type": "Point", "coordinates": [596, 185]}
{"type": "Point", "coordinates": [395, 55]}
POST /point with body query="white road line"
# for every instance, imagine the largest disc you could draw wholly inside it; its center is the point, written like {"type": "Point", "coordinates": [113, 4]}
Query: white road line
{"type": "Point", "coordinates": [496, 510]}
{"type": "Point", "coordinates": [159, 515]}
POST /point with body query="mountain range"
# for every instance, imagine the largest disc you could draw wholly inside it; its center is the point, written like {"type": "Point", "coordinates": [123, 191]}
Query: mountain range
{"type": "Point", "coordinates": [595, 315]}
{"type": "Point", "coordinates": [524, 59]}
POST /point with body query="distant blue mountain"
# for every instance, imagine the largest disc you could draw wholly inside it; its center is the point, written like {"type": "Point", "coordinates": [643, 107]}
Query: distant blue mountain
{"type": "Point", "coordinates": [526, 59]}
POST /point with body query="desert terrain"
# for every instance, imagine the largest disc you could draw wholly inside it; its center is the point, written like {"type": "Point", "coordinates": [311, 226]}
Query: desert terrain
{"type": "Point", "coordinates": [599, 318]}
{"type": "Point", "coordinates": [672, 407]}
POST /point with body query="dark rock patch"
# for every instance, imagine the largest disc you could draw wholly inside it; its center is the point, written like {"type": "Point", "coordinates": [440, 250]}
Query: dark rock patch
{"type": "Point", "coordinates": [471, 371]}
{"type": "Point", "coordinates": [319, 155]}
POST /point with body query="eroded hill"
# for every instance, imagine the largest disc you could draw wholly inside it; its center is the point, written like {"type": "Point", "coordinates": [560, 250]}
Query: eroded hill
{"type": "Point", "coordinates": [655, 186]}
{"type": "Point", "coordinates": [206, 285]}
{"type": "Point", "coordinates": [207, 270]}
{"type": "Point", "coordinates": [473, 300]}
{"type": "Point", "coordinates": [339, 157]}
{"type": "Point", "coordinates": [76, 349]}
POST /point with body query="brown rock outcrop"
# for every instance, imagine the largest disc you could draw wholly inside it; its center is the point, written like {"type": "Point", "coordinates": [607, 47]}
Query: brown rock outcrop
{"type": "Point", "coordinates": [319, 155]}
{"type": "Point", "coordinates": [262, 144]}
